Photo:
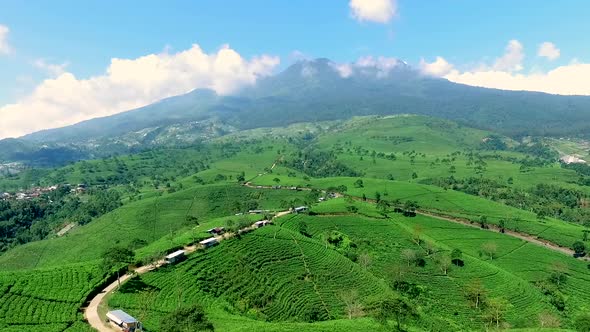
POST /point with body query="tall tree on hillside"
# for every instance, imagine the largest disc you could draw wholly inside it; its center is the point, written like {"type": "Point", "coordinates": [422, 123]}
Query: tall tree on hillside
{"type": "Point", "coordinates": [396, 308]}
{"type": "Point", "coordinates": [354, 307]}
{"type": "Point", "coordinates": [495, 310]}
{"type": "Point", "coordinates": [364, 260]}
{"type": "Point", "coordinates": [489, 249]}
{"type": "Point", "coordinates": [444, 263]}
{"type": "Point", "coordinates": [558, 274]}
{"type": "Point", "coordinates": [115, 257]}
{"type": "Point", "coordinates": [579, 248]}
{"type": "Point", "coordinates": [475, 293]}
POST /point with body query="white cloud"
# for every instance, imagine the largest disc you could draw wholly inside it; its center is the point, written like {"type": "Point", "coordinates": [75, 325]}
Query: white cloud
{"type": "Point", "coordinates": [5, 48]}
{"type": "Point", "coordinates": [573, 79]}
{"type": "Point", "coordinates": [548, 50]}
{"type": "Point", "coordinates": [512, 58]}
{"type": "Point", "coordinates": [440, 67]}
{"type": "Point", "coordinates": [50, 68]}
{"type": "Point", "coordinates": [570, 79]}
{"type": "Point", "coordinates": [345, 70]}
{"type": "Point", "coordinates": [128, 84]}
{"type": "Point", "coordinates": [379, 11]}
{"type": "Point", "coordinates": [379, 66]}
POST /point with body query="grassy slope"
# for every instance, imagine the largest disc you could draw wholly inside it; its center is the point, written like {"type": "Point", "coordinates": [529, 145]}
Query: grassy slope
{"type": "Point", "coordinates": [510, 275]}
{"type": "Point", "coordinates": [272, 274]}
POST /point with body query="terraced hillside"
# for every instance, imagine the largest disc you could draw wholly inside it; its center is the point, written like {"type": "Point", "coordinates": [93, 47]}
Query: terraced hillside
{"type": "Point", "coordinates": [272, 275]}
{"type": "Point", "coordinates": [46, 299]}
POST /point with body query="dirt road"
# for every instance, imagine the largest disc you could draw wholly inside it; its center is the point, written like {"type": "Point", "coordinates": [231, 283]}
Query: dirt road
{"type": "Point", "coordinates": [91, 312]}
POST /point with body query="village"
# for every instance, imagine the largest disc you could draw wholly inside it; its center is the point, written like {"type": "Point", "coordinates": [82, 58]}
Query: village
{"type": "Point", "coordinates": [37, 192]}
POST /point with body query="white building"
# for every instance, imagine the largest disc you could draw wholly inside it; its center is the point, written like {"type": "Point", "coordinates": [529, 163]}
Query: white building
{"type": "Point", "coordinates": [123, 320]}
{"type": "Point", "coordinates": [209, 242]}
{"type": "Point", "coordinates": [175, 256]}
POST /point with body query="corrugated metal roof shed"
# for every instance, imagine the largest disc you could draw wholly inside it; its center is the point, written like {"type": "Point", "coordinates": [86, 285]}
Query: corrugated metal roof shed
{"type": "Point", "coordinates": [120, 317]}
{"type": "Point", "coordinates": [175, 254]}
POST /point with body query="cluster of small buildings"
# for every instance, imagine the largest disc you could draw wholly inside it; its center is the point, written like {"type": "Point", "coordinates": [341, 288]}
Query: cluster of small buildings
{"type": "Point", "coordinates": [11, 168]}
{"type": "Point", "coordinates": [27, 194]}
{"type": "Point", "coordinates": [570, 159]}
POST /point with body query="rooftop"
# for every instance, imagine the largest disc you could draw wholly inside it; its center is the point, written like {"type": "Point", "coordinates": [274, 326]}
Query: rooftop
{"type": "Point", "coordinates": [122, 316]}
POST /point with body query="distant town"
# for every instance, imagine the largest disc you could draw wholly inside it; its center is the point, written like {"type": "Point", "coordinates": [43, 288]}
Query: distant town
{"type": "Point", "coordinates": [36, 192]}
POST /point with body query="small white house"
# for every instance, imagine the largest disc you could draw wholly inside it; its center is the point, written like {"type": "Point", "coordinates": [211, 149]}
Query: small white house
{"type": "Point", "coordinates": [209, 242]}
{"type": "Point", "coordinates": [300, 209]}
{"type": "Point", "coordinates": [122, 320]}
{"type": "Point", "coordinates": [261, 223]}
{"type": "Point", "coordinates": [175, 256]}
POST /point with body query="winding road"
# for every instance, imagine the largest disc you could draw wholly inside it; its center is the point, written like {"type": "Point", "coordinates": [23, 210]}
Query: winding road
{"type": "Point", "coordinates": [91, 313]}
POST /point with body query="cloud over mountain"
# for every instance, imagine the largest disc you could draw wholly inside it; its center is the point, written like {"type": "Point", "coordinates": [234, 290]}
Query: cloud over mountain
{"type": "Point", "coordinates": [128, 84]}
{"type": "Point", "coordinates": [507, 73]}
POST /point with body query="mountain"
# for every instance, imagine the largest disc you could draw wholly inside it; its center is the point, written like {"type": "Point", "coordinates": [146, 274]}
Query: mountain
{"type": "Point", "coordinates": [191, 106]}
{"type": "Point", "coordinates": [316, 90]}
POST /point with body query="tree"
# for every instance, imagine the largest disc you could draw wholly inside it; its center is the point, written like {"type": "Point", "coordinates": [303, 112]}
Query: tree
{"type": "Point", "coordinates": [558, 274]}
{"type": "Point", "coordinates": [475, 293]}
{"type": "Point", "coordinates": [359, 183]}
{"type": "Point", "coordinates": [276, 180]}
{"type": "Point", "coordinates": [495, 310]}
{"type": "Point", "coordinates": [579, 247]}
{"type": "Point", "coordinates": [549, 320]}
{"type": "Point", "coordinates": [502, 224]}
{"type": "Point", "coordinates": [186, 319]}
{"type": "Point", "coordinates": [444, 263]}
{"type": "Point", "coordinates": [414, 175]}
{"type": "Point", "coordinates": [354, 307]}
{"type": "Point", "coordinates": [241, 177]}
{"type": "Point", "coordinates": [364, 260]}
{"type": "Point", "coordinates": [457, 257]}
{"type": "Point", "coordinates": [398, 309]}
{"type": "Point", "coordinates": [489, 249]}
{"type": "Point", "coordinates": [383, 206]}
{"type": "Point", "coordinates": [483, 221]}
{"type": "Point", "coordinates": [409, 256]}
{"type": "Point", "coordinates": [417, 234]}
{"type": "Point", "coordinates": [377, 197]}
{"type": "Point", "coordinates": [114, 257]}
{"type": "Point", "coordinates": [398, 273]}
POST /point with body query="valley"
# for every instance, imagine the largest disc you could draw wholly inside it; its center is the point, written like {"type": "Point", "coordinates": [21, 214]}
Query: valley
{"type": "Point", "coordinates": [466, 229]}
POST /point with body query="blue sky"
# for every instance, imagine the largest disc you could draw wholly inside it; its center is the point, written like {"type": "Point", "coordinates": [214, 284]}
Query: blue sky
{"type": "Point", "coordinates": [48, 38]}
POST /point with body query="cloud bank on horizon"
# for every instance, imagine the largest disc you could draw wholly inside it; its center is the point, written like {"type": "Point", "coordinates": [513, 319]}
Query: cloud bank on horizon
{"type": "Point", "coordinates": [507, 72]}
